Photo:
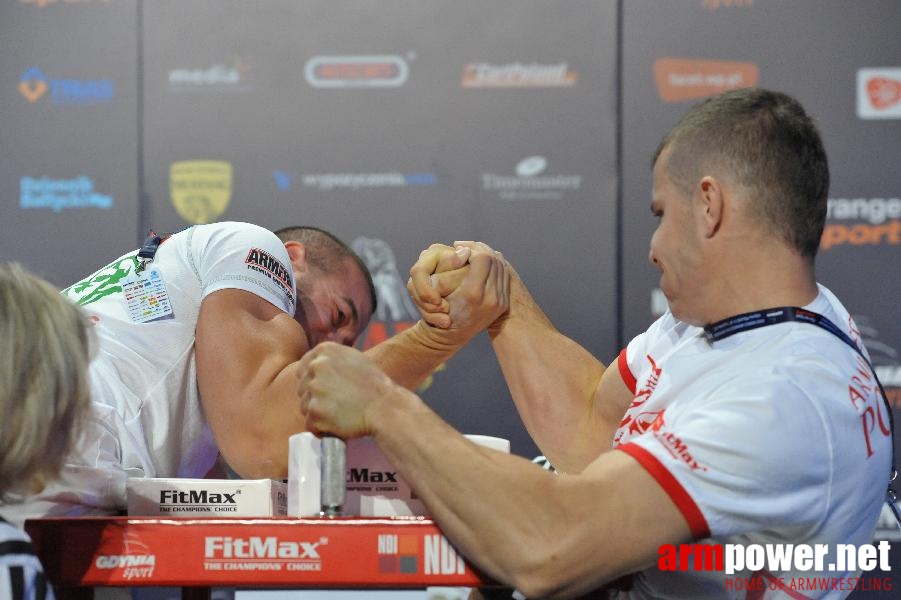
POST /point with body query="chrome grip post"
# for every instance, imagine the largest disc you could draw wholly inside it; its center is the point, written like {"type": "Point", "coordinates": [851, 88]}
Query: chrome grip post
{"type": "Point", "coordinates": [333, 467]}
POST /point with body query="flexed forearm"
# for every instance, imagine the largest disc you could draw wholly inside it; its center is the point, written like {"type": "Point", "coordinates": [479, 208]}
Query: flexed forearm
{"type": "Point", "coordinates": [553, 381]}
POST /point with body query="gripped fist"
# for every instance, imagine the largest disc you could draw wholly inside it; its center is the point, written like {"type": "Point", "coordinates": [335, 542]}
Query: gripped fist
{"type": "Point", "coordinates": [439, 271]}
{"type": "Point", "coordinates": [464, 287]}
{"type": "Point", "coordinates": [337, 385]}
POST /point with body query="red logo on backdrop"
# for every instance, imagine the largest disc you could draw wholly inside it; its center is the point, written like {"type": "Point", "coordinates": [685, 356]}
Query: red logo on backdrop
{"type": "Point", "coordinates": [879, 93]}
{"type": "Point", "coordinates": [680, 79]}
{"type": "Point", "coordinates": [883, 92]}
{"type": "Point", "coordinates": [369, 71]}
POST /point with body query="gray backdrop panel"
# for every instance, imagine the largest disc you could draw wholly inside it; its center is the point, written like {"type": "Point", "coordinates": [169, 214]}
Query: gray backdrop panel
{"type": "Point", "coordinates": [75, 132]}
{"type": "Point", "coordinates": [279, 133]}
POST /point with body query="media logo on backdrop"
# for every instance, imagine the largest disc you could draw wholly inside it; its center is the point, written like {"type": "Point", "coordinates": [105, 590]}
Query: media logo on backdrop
{"type": "Point", "coordinates": [358, 71]}
{"type": "Point", "coordinates": [59, 194]}
{"type": "Point", "coordinates": [879, 93]}
{"type": "Point", "coordinates": [200, 189]}
{"type": "Point", "coordinates": [681, 79]}
{"type": "Point", "coordinates": [862, 222]}
{"type": "Point", "coordinates": [217, 77]}
{"type": "Point", "coordinates": [528, 182]}
{"type": "Point", "coordinates": [518, 75]}
{"type": "Point", "coordinates": [34, 86]}
{"type": "Point", "coordinates": [395, 311]}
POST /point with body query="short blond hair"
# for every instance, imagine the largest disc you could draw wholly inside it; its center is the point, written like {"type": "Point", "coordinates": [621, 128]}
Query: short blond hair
{"type": "Point", "coordinates": [44, 392]}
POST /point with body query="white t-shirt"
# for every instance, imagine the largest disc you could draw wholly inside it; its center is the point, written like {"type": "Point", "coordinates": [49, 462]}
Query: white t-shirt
{"type": "Point", "coordinates": [147, 419]}
{"type": "Point", "coordinates": [21, 573]}
{"type": "Point", "coordinates": [773, 435]}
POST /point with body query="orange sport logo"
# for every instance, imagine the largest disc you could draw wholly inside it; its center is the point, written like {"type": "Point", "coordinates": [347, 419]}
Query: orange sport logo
{"type": "Point", "coordinates": [874, 222]}
{"type": "Point", "coordinates": [681, 79]}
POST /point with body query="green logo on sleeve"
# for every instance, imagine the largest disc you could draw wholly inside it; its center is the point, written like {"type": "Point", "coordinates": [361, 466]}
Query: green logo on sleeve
{"type": "Point", "coordinates": [104, 282]}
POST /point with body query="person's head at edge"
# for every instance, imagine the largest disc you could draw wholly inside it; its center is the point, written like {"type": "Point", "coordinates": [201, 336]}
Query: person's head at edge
{"type": "Point", "coordinates": [335, 293]}
{"type": "Point", "coordinates": [743, 178]}
{"type": "Point", "coordinates": [44, 393]}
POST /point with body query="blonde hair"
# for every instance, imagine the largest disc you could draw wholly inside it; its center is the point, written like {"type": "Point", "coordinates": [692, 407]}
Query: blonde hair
{"type": "Point", "coordinates": [44, 397]}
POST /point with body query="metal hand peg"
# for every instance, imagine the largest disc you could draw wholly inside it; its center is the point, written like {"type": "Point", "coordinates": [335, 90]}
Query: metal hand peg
{"type": "Point", "coordinates": [333, 467]}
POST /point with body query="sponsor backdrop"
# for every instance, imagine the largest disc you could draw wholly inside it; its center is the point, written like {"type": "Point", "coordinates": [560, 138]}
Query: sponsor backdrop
{"type": "Point", "coordinates": [526, 124]}
{"type": "Point", "coordinates": [69, 143]}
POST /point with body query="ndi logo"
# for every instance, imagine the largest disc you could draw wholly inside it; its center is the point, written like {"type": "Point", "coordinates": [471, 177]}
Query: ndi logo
{"type": "Point", "coordinates": [34, 85]}
{"type": "Point", "coordinates": [57, 194]}
{"type": "Point", "coordinates": [398, 553]}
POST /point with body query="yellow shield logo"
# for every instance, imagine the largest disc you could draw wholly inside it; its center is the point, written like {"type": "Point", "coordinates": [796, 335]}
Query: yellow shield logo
{"type": "Point", "coordinates": [200, 189]}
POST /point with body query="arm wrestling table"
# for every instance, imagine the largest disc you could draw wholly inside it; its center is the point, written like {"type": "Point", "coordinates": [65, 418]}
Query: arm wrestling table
{"type": "Point", "coordinates": [196, 554]}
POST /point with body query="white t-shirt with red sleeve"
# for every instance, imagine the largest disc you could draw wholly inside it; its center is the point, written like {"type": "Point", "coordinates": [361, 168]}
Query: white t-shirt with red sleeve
{"type": "Point", "coordinates": [775, 435]}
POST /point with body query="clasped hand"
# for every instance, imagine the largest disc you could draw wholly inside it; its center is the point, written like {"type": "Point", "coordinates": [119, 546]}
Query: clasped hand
{"type": "Point", "coordinates": [459, 290]}
{"type": "Point", "coordinates": [464, 287]}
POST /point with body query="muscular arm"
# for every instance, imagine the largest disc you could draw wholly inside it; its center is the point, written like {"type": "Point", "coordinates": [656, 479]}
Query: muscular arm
{"type": "Point", "coordinates": [569, 402]}
{"type": "Point", "coordinates": [410, 356]}
{"type": "Point", "coordinates": [247, 350]}
{"type": "Point", "coordinates": [245, 347]}
{"type": "Point", "coordinates": [547, 535]}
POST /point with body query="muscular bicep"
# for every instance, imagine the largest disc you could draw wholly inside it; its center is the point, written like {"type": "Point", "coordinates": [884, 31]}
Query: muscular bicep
{"type": "Point", "coordinates": [611, 400]}
{"type": "Point", "coordinates": [244, 347]}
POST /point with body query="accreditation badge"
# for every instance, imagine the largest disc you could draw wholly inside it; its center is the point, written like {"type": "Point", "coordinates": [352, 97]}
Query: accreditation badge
{"type": "Point", "coordinates": [146, 298]}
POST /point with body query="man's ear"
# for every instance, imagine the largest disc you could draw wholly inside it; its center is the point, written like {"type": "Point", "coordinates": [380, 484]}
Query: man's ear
{"type": "Point", "coordinates": [712, 205]}
{"type": "Point", "coordinates": [297, 252]}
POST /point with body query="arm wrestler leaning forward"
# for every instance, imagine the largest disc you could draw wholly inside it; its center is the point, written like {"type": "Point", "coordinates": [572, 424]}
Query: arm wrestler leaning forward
{"type": "Point", "coordinates": [691, 436]}
{"type": "Point", "coordinates": [211, 370]}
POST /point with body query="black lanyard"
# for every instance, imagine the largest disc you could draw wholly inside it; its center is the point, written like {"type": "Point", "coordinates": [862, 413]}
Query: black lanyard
{"type": "Point", "coordinates": [148, 250]}
{"type": "Point", "coordinates": [761, 318]}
